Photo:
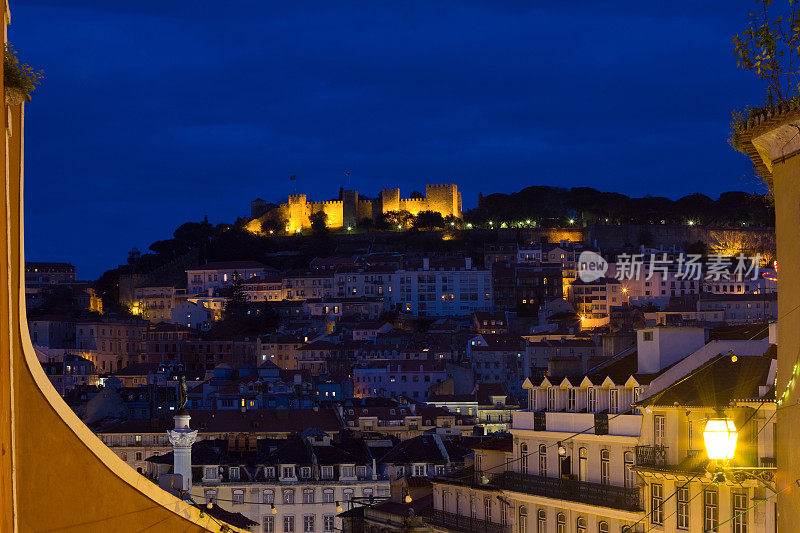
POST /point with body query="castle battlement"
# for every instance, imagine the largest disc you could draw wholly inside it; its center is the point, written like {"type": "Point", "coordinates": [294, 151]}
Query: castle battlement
{"type": "Point", "coordinates": [443, 198]}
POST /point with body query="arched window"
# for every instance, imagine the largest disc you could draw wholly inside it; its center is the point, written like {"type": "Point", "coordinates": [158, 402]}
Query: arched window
{"type": "Point", "coordinates": [630, 475]}
{"type": "Point", "coordinates": [580, 525]}
{"type": "Point", "coordinates": [583, 464]}
{"type": "Point", "coordinates": [541, 522]}
{"type": "Point", "coordinates": [561, 523]}
{"type": "Point", "coordinates": [605, 467]}
{"type": "Point", "coordinates": [523, 457]}
{"type": "Point", "coordinates": [542, 460]}
{"type": "Point", "coordinates": [602, 527]}
{"type": "Point", "coordinates": [523, 520]}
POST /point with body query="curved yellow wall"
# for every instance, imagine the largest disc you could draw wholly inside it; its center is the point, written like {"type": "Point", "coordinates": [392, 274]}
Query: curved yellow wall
{"type": "Point", "coordinates": [55, 474]}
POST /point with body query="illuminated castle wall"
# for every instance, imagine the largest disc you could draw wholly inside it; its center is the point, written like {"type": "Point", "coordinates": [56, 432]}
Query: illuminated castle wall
{"type": "Point", "coordinates": [350, 208]}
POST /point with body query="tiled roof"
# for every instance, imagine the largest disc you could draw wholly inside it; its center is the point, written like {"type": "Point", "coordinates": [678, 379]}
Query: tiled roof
{"type": "Point", "coordinates": [716, 383]}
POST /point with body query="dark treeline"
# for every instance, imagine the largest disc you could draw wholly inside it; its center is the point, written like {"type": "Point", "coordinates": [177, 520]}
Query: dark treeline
{"type": "Point", "coordinates": [552, 206]}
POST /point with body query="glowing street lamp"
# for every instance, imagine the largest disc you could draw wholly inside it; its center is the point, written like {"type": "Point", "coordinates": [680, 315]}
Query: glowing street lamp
{"type": "Point", "coordinates": [720, 436]}
{"type": "Point", "coordinates": [572, 221]}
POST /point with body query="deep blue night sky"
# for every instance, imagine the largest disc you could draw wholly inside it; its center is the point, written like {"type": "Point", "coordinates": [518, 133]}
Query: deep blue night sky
{"type": "Point", "coordinates": [154, 113]}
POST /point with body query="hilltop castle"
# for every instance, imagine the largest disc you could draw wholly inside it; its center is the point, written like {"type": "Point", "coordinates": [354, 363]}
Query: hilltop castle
{"type": "Point", "coordinates": [350, 208]}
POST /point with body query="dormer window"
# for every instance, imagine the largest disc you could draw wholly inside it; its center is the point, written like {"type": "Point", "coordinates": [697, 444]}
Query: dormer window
{"type": "Point", "coordinates": [347, 471]}
{"type": "Point", "coordinates": [361, 471]}
{"type": "Point", "coordinates": [551, 399]}
{"type": "Point", "coordinates": [305, 472]}
{"type": "Point", "coordinates": [287, 472]}
{"type": "Point", "coordinates": [269, 472]}
{"type": "Point", "coordinates": [233, 473]}
{"type": "Point", "coordinates": [572, 400]}
{"type": "Point", "coordinates": [211, 472]}
{"type": "Point", "coordinates": [327, 472]}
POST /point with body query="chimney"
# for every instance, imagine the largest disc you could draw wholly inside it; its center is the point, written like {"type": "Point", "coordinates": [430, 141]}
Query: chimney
{"type": "Point", "coordinates": [182, 439]}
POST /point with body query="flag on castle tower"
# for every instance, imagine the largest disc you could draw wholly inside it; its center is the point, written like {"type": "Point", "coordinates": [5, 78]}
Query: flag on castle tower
{"type": "Point", "coordinates": [346, 172]}
{"type": "Point", "coordinates": [292, 177]}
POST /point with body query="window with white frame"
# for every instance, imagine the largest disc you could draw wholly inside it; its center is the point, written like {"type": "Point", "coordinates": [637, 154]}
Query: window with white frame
{"type": "Point", "coordinates": [269, 472]}
{"type": "Point", "coordinates": [487, 509]}
{"type": "Point", "coordinates": [366, 492]}
{"type": "Point", "coordinates": [288, 496]}
{"type": "Point", "coordinates": [682, 507]}
{"type": "Point", "coordinates": [211, 496]}
{"type": "Point", "coordinates": [739, 512]}
{"type": "Point", "coordinates": [561, 523]}
{"type": "Point", "coordinates": [238, 497]}
{"type": "Point", "coordinates": [551, 399]}
{"type": "Point", "coordinates": [583, 464]}
{"type": "Point", "coordinates": [572, 400]}
{"type": "Point", "coordinates": [656, 502]}
{"type": "Point", "coordinates": [268, 496]}
{"type": "Point", "coordinates": [348, 494]}
{"type": "Point", "coordinates": [659, 428]}
{"type": "Point", "coordinates": [305, 472]}
{"type": "Point", "coordinates": [613, 401]}
{"type": "Point", "coordinates": [591, 400]}
{"type": "Point", "coordinates": [328, 523]}
{"type": "Point", "coordinates": [541, 521]}
{"type": "Point", "coordinates": [327, 496]}
{"type": "Point", "coordinates": [361, 471]}
{"type": "Point", "coordinates": [308, 523]}
{"type": "Point", "coordinates": [233, 473]}
{"type": "Point", "coordinates": [347, 471]}
{"type": "Point", "coordinates": [268, 524]}
{"type": "Point", "coordinates": [287, 472]}
{"type": "Point", "coordinates": [327, 472]}
{"type": "Point", "coordinates": [522, 521]}
{"type": "Point", "coordinates": [602, 527]}
{"type": "Point", "coordinates": [580, 525]}
{"type": "Point", "coordinates": [531, 400]}
{"type": "Point", "coordinates": [308, 495]}
{"type": "Point", "coordinates": [605, 467]}
{"type": "Point", "coordinates": [420, 470]}
{"type": "Point", "coordinates": [542, 460]}
{"type": "Point", "coordinates": [288, 524]}
{"type": "Point", "coordinates": [523, 457]}
{"type": "Point", "coordinates": [630, 474]}
{"type": "Point", "coordinates": [211, 472]}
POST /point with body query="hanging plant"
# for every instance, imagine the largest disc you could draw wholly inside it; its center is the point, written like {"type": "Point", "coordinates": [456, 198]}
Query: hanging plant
{"type": "Point", "coordinates": [19, 78]}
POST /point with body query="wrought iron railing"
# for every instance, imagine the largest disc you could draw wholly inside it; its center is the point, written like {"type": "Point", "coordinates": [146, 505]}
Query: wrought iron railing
{"type": "Point", "coordinates": [571, 490]}
{"type": "Point", "coordinates": [466, 524]}
{"type": "Point", "coordinates": [651, 455]}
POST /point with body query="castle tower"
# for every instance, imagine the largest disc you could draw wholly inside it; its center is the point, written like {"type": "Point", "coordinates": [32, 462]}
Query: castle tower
{"type": "Point", "coordinates": [390, 200]}
{"type": "Point", "coordinates": [258, 207]}
{"type": "Point", "coordinates": [444, 198]}
{"type": "Point", "coordinates": [298, 213]}
{"type": "Point", "coordinates": [349, 201]}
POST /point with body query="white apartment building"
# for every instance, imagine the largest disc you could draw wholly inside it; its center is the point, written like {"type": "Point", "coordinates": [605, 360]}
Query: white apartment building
{"type": "Point", "coordinates": [298, 484]}
{"type": "Point", "coordinates": [299, 285]}
{"type": "Point", "coordinates": [613, 450]}
{"type": "Point", "coordinates": [264, 289]}
{"type": "Point", "coordinates": [213, 276]}
{"type": "Point", "coordinates": [449, 288]}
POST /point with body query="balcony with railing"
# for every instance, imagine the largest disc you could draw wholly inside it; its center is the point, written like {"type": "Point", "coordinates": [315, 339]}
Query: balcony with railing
{"type": "Point", "coordinates": [455, 522]}
{"type": "Point", "coordinates": [651, 455]}
{"type": "Point", "coordinates": [625, 499]}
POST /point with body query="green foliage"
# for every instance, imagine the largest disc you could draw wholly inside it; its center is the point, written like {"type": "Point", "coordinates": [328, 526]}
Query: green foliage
{"type": "Point", "coordinates": [319, 223]}
{"type": "Point", "coordinates": [429, 220]}
{"type": "Point", "coordinates": [738, 121]}
{"type": "Point", "coordinates": [19, 75]}
{"type": "Point", "coordinates": [273, 226]}
{"type": "Point", "coordinates": [770, 48]}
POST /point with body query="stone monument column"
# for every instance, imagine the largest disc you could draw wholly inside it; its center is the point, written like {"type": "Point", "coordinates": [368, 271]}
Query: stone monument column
{"type": "Point", "coordinates": [182, 439]}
